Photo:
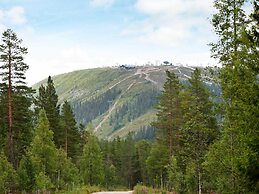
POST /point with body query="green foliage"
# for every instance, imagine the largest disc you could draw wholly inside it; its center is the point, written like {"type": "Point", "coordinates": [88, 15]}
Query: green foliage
{"type": "Point", "coordinates": [48, 100]}
{"type": "Point", "coordinates": [26, 174]}
{"type": "Point", "coordinates": [83, 190]}
{"type": "Point", "coordinates": [16, 98]}
{"type": "Point", "coordinates": [199, 129]}
{"type": "Point", "coordinates": [175, 175]}
{"type": "Point", "coordinates": [88, 110]}
{"type": "Point", "coordinates": [45, 167]}
{"type": "Point", "coordinates": [12, 51]}
{"type": "Point", "coordinates": [92, 92]}
{"type": "Point", "coordinates": [43, 152]}
{"type": "Point", "coordinates": [8, 176]}
{"type": "Point", "coordinates": [110, 178]}
{"type": "Point", "coordinates": [235, 155]}
{"type": "Point", "coordinates": [67, 172]}
{"type": "Point", "coordinates": [169, 116]}
{"type": "Point", "coordinates": [142, 151]}
{"type": "Point", "coordinates": [71, 136]}
{"type": "Point", "coordinates": [140, 189]}
{"type": "Point", "coordinates": [228, 23]}
{"type": "Point", "coordinates": [91, 163]}
{"type": "Point", "coordinates": [43, 182]}
{"type": "Point", "coordinates": [129, 111]}
{"type": "Point", "coordinates": [157, 164]}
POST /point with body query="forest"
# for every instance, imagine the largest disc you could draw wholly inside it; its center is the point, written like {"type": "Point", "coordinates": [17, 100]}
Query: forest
{"type": "Point", "coordinates": [195, 145]}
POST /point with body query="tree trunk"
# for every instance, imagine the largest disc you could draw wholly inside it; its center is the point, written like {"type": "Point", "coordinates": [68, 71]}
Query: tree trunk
{"type": "Point", "coordinates": [66, 142]}
{"type": "Point", "coordinates": [199, 177]}
{"type": "Point", "coordinates": [161, 180]}
{"type": "Point", "coordinates": [171, 141]}
{"type": "Point", "coordinates": [10, 142]}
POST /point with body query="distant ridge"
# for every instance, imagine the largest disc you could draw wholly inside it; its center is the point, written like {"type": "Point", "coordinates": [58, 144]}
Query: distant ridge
{"type": "Point", "coordinates": [116, 100]}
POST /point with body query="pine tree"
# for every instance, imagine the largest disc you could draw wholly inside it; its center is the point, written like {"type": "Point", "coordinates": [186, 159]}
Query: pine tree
{"type": "Point", "coordinates": [71, 134]}
{"type": "Point", "coordinates": [13, 85]}
{"type": "Point", "coordinates": [228, 23]}
{"type": "Point", "coordinates": [169, 113]}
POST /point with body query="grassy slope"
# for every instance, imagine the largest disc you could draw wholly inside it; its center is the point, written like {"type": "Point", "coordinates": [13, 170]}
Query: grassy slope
{"type": "Point", "coordinates": [85, 84]}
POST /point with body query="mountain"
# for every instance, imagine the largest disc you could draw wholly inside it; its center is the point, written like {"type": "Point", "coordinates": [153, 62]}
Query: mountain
{"type": "Point", "coordinates": [116, 100]}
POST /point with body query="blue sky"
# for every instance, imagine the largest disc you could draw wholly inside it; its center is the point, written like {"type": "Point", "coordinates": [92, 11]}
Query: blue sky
{"type": "Point", "coordinates": [66, 35]}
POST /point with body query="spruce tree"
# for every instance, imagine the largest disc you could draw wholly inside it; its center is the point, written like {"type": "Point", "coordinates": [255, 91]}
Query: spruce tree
{"type": "Point", "coordinates": [48, 100]}
{"type": "Point", "coordinates": [43, 153]}
{"type": "Point", "coordinates": [91, 163]}
{"type": "Point", "coordinates": [71, 137]}
{"type": "Point", "coordinates": [44, 167]}
{"type": "Point", "coordinates": [200, 128]}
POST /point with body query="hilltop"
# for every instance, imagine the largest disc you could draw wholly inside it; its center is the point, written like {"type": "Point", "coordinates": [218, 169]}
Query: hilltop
{"type": "Point", "coordinates": [116, 100]}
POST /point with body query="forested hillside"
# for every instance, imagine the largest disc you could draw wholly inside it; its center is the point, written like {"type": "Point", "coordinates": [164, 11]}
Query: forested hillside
{"type": "Point", "coordinates": [118, 100]}
{"type": "Point", "coordinates": [151, 129]}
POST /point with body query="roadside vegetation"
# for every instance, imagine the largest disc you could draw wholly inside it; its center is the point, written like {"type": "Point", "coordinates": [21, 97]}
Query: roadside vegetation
{"type": "Point", "coordinates": [200, 146]}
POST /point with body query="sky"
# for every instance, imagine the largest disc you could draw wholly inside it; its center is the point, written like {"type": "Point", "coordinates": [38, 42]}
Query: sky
{"type": "Point", "coordinates": [66, 35]}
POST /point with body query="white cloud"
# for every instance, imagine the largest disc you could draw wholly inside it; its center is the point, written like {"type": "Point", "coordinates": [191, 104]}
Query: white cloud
{"type": "Point", "coordinates": [101, 3]}
{"type": "Point", "coordinates": [62, 58]}
{"type": "Point", "coordinates": [173, 7]}
{"type": "Point", "coordinates": [12, 16]}
{"type": "Point", "coordinates": [15, 15]}
{"type": "Point", "coordinates": [171, 22]}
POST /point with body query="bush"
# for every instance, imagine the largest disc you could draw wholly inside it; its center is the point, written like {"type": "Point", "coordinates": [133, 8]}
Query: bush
{"type": "Point", "coordinates": [82, 190]}
{"type": "Point", "coordinates": [140, 189]}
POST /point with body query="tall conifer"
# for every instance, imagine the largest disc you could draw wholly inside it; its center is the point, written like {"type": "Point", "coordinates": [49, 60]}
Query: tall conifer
{"type": "Point", "coordinates": [18, 95]}
{"type": "Point", "coordinates": [91, 163]}
{"type": "Point", "coordinates": [169, 114]}
{"type": "Point", "coordinates": [71, 136]}
{"type": "Point", "coordinates": [200, 128]}
{"type": "Point", "coordinates": [233, 160]}
{"type": "Point", "coordinates": [48, 100]}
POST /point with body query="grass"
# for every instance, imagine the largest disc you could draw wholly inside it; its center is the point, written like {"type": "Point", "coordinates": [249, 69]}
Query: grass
{"type": "Point", "coordinates": [82, 190]}
{"type": "Point", "coordinates": [90, 189]}
{"type": "Point", "coordinates": [140, 189]}
{"type": "Point", "coordinates": [83, 85]}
